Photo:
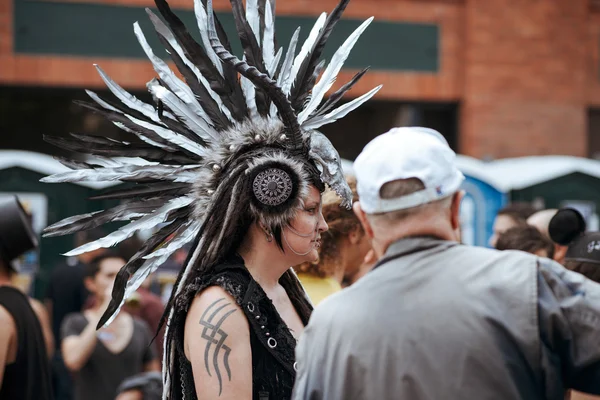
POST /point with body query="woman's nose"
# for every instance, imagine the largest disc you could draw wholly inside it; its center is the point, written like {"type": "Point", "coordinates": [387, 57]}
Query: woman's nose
{"type": "Point", "coordinates": [323, 227]}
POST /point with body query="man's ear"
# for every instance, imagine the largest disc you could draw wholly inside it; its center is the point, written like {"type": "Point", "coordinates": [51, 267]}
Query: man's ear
{"type": "Point", "coordinates": [362, 217]}
{"type": "Point", "coordinates": [455, 209]}
{"type": "Point", "coordinates": [559, 253]}
{"type": "Point", "coordinates": [355, 235]}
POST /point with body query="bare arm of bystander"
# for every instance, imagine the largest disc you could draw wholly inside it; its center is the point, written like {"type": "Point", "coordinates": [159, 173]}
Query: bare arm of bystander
{"type": "Point", "coordinates": [7, 335]}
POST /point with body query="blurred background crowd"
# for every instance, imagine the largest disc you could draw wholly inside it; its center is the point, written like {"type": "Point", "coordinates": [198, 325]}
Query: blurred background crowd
{"type": "Point", "coordinates": [513, 85]}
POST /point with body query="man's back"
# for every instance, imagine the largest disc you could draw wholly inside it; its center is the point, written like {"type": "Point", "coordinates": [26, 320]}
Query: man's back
{"type": "Point", "coordinates": [440, 321]}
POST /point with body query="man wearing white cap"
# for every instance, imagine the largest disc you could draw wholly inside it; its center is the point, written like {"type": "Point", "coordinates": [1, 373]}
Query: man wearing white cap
{"type": "Point", "coordinates": [439, 320]}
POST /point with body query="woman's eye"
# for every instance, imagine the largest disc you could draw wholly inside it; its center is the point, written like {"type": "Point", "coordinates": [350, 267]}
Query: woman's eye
{"type": "Point", "coordinates": [311, 210]}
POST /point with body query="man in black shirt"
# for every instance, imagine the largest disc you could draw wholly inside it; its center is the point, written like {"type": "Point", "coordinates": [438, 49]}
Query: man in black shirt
{"type": "Point", "coordinates": [24, 344]}
{"type": "Point", "coordinates": [66, 294]}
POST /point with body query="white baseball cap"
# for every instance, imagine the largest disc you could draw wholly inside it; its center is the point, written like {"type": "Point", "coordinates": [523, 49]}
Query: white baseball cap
{"type": "Point", "coordinates": [404, 153]}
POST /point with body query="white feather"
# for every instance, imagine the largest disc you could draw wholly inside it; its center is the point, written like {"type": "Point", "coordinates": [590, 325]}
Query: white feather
{"type": "Point", "coordinates": [172, 137]}
{"type": "Point", "coordinates": [70, 220]}
{"type": "Point", "coordinates": [179, 88]}
{"type": "Point", "coordinates": [286, 68]}
{"type": "Point", "coordinates": [272, 68]}
{"type": "Point", "coordinates": [340, 112]}
{"type": "Point", "coordinates": [331, 72]}
{"type": "Point", "coordinates": [144, 138]}
{"type": "Point", "coordinates": [168, 35]}
{"type": "Point", "coordinates": [253, 17]}
{"type": "Point", "coordinates": [129, 172]}
{"type": "Point", "coordinates": [185, 236]}
{"type": "Point", "coordinates": [250, 95]}
{"type": "Point", "coordinates": [101, 102]}
{"type": "Point", "coordinates": [202, 20]}
{"type": "Point", "coordinates": [268, 44]}
{"type": "Point", "coordinates": [146, 223]}
{"type": "Point", "coordinates": [304, 51]}
{"type": "Point", "coordinates": [128, 99]}
{"type": "Point", "coordinates": [193, 121]}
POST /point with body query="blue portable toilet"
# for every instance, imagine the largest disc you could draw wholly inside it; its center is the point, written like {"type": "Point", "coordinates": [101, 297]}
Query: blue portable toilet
{"type": "Point", "coordinates": [485, 196]}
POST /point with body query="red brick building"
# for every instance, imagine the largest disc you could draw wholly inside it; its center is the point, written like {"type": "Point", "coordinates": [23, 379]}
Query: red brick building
{"type": "Point", "coordinates": [500, 78]}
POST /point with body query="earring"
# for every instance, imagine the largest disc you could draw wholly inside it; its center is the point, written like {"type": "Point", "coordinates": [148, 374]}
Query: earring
{"type": "Point", "coordinates": [269, 236]}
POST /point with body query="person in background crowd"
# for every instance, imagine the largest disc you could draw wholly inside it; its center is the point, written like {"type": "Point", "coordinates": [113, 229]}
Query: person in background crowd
{"type": "Point", "coordinates": [146, 386]}
{"type": "Point", "coordinates": [541, 220]}
{"type": "Point", "coordinates": [342, 252]}
{"type": "Point", "coordinates": [436, 319]}
{"type": "Point", "coordinates": [567, 228]}
{"type": "Point", "coordinates": [148, 307]}
{"type": "Point", "coordinates": [528, 239]}
{"type": "Point", "coordinates": [66, 294]}
{"type": "Point", "coordinates": [25, 335]}
{"type": "Point", "coordinates": [101, 360]}
{"type": "Point", "coordinates": [512, 215]}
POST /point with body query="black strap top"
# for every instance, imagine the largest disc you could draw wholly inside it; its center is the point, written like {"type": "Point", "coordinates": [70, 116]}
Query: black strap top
{"type": "Point", "coordinates": [28, 378]}
{"type": "Point", "coordinates": [272, 343]}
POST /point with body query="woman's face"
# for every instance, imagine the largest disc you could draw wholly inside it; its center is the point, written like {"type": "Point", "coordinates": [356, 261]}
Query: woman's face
{"type": "Point", "coordinates": [302, 238]}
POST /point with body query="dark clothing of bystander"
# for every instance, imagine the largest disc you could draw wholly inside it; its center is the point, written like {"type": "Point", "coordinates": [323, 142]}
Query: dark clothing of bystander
{"type": "Point", "coordinates": [28, 378]}
{"type": "Point", "coordinates": [100, 377]}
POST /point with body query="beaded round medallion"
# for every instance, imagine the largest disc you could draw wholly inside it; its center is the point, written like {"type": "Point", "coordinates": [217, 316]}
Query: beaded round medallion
{"type": "Point", "coordinates": [272, 186]}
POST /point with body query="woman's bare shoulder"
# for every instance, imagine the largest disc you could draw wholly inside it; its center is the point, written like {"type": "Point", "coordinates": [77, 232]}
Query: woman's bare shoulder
{"type": "Point", "coordinates": [215, 313]}
{"type": "Point", "coordinates": [217, 343]}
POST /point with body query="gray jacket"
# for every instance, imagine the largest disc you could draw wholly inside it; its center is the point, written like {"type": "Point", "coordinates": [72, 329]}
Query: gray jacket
{"type": "Point", "coordinates": [447, 321]}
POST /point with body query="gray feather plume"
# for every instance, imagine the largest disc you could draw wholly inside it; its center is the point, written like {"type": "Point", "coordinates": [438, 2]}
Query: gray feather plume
{"type": "Point", "coordinates": [202, 21]}
{"type": "Point", "coordinates": [147, 222]}
{"type": "Point", "coordinates": [127, 98]}
{"type": "Point", "coordinates": [340, 112]}
{"type": "Point", "coordinates": [304, 51]}
{"type": "Point", "coordinates": [172, 137]}
{"type": "Point", "coordinates": [331, 72]}
{"type": "Point", "coordinates": [125, 173]}
{"type": "Point", "coordinates": [179, 88]}
{"type": "Point", "coordinates": [163, 30]}
{"type": "Point", "coordinates": [193, 121]}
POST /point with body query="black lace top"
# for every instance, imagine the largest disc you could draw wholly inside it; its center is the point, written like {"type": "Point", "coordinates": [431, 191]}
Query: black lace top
{"type": "Point", "coordinates": [272, 343]}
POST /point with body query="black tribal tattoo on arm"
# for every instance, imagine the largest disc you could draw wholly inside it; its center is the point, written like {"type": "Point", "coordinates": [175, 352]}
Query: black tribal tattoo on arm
{"type": "Point", "coordinates": [212, 319]}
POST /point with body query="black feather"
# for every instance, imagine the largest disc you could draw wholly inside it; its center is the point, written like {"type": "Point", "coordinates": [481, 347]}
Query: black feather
{"type": "Point", "coordinates": [198, 56]}
{"type": "Point", "coordinates": [303, 84]}
{"type": "Point", "coordinates": [146, 191]}
{"type": "Point", "coordinates": [218, 119]}
{"type": "Point", "coordinates": [252, 51]}
{"type": "Point", "coordinates": [103, 217]}
{"type": "Point", "coordinates": [338, 95]}
{"type": "Point", "coordinates": [79, 143]}
{"type": "Point", "coordinates": [117, 117]}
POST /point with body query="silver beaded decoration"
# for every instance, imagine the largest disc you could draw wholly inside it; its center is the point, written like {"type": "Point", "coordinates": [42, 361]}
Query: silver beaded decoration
{"type": "Point", "coordinates": [272, 186]}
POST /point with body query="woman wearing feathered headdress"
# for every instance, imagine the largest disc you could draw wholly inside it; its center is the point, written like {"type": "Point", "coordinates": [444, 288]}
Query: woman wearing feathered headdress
{"type": "Point", "coordinates": [230, 161]}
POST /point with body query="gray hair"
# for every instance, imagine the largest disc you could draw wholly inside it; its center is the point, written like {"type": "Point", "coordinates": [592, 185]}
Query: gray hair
{"type": "Point", "coordinates": [404, 187]}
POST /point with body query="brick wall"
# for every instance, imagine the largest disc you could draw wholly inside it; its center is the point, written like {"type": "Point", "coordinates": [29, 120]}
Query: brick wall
{"type": "Point", "coordinates": [78, 71]}
{"type": "Point", "coordinates": [524, 72]}
{"type": "Point", "coordinates": [526, 69]}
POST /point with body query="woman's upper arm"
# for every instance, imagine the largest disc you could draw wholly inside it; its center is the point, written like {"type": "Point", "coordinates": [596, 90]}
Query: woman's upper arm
{"type": "Point", "coordinates": [217, 343]}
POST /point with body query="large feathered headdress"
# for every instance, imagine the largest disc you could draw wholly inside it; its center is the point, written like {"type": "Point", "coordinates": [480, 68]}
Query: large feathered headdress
{"type": "Point", "coordinates": [230, 124]}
